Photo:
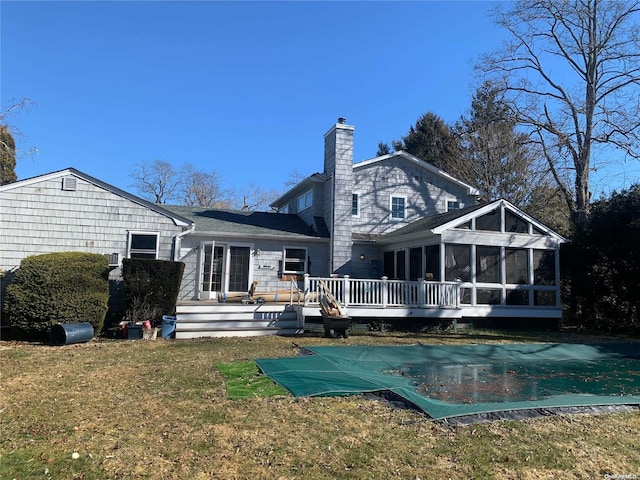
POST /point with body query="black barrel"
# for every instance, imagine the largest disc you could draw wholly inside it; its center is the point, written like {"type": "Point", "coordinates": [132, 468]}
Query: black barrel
{"type": "Point", "coordinates": [68, 333]}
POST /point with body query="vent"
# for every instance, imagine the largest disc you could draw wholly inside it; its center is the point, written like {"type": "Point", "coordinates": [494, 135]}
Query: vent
{"type": "Point", "coordinates": [69, 183]}
{"type": "Point", "coordinates": [114, 259]}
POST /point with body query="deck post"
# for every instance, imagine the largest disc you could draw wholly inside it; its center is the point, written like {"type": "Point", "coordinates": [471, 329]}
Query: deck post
{"type": "Point", "coordinates": [422, 292]}
{"type": "Point", "coordinates": [346, 290]}
{"type": "Point", "coordinates": [385, 292]}
{"type": "Point", "coordinates": [306, 287]}
{"type": "Point", "coordinates": [458, 283]}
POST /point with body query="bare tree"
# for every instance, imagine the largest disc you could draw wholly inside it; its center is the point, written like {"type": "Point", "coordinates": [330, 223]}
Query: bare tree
{"type": "Point", "coordinates": [571, 72]}
{"type": "Point", "coordinates": [201, 189]}
{"type": "Point", "coordinates": [8, 134]}
{"type": "Point", "coordinates": [157, 181]}
{"type": "Point", "coordinates": [255, 198]}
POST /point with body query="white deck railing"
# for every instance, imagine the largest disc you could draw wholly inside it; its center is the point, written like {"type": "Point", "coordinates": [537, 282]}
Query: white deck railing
{"type": "Point", "coordinates": [383, 293]}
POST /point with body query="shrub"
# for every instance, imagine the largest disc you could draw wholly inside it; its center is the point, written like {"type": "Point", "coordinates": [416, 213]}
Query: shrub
{"type": "Point", "coordinates": [151, 288]}
{"type": "Point", "coordinates": [66, 287]}
{"type": "Point", "coordinates": [603, 265]}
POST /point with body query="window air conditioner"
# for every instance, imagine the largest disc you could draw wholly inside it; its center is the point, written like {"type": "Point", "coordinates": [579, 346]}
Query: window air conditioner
{"type": "Point", "coordinates": [114, 259]}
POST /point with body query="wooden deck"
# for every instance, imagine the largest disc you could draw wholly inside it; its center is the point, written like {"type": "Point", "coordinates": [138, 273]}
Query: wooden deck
{"type": "Point", "coordinates": [361, 298]}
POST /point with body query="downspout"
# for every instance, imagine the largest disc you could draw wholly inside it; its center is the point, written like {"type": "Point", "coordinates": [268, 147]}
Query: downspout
{"type": "Point", "coordinates": [177, 241]}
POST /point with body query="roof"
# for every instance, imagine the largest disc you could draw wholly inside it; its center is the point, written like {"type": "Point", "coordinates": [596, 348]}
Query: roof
{"type": "Point", "coordinates": [300, 187]}
{"type": "Point", "coordinates": [246, 223]}
{"type": "Point", "coordinates": [321, 177]}
{"type": "Point", "coordinates": [177, 219]}
{"type": "Point", "coordinates": [444, 221]}
{"type": "Point", "coordinates": [429, 223]}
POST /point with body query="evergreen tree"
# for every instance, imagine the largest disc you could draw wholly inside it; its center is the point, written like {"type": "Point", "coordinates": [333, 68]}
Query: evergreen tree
{"type": "Point", "coordinates": [431, 140]}
{"type": "Point", "coordinates": [494, 156]}
{"type": "Point", "coordinates": [7, 156]}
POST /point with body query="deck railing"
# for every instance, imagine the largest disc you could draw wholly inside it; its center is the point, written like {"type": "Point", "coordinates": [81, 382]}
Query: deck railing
{"type": "Point", "coordinates": [383, 293]}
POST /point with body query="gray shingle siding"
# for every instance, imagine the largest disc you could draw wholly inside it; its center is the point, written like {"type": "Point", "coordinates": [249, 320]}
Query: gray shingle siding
{"type": "Point", "coordinates": [40, 217]}
{"type": "Point", "coordinates": [426, 194]}
{"type": "Point", "coordinates": [338, 164]}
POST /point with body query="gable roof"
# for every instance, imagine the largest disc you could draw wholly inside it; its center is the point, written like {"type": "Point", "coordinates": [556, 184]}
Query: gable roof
{"type": "Point", "coordinates": [300, 187]}
{"type": "Point", "coordinates": [321, 177]}
{"type": "Point", "coordinates": [242, 223]}
{"type": "Point", "coordinates": [177, 219]}
{"type": "Point", "coordinates": [471, 190]}
{"type": "Point", "coordinates": [437, 224]}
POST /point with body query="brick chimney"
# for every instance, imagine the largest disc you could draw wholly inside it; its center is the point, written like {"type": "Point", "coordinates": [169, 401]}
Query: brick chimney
{"type": "Point", "coordinates": [338, 166]}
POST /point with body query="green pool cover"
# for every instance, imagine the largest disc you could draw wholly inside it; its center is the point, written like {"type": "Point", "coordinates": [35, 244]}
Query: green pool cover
{"type": "Point", "coordinates": [447, 382]}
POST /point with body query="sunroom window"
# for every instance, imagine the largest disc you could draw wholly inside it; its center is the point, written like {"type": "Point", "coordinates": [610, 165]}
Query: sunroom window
{"type": "Point", "coordinates": [295, 260]}
{"type": "Point", "coordinates": [143, 245]}
{"type": "Point", "coordinates": [513, 223]}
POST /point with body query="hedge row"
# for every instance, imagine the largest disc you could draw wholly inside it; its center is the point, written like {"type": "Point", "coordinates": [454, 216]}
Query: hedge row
{"type": "Point", "coordinates": [66, 287]}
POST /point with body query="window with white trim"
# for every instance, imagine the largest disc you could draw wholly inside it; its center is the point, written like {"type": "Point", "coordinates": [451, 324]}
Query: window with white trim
{"type": "Point", "coordinates": [355, 205]}
{"type": "Point", "coordinates": [398, 207]}
{"type": "Point", "coordinates": [285, 209]}
{"type": "Point", "coordinates": [305, 200]}
{"type": "Point", "coordinates": [452, 205]}
{"type": "Point", "coordinates": [295, 260]}
{"type": "Point", "coordinates": [143, 245]}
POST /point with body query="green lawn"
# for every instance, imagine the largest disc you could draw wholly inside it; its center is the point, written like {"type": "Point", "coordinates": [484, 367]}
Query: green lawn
{"type": "Point", "coordinates": [200, 410]}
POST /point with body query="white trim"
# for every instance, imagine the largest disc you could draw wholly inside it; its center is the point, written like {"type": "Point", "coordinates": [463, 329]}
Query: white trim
{"type": "Point", "coordinates": [404, 209]}
{"type": "Point", "coordinates": [358, 204]}
{"type": "Point", "coordinates": [131, 233]}
{"type": "Point", "coordinates": [456, 201]}
{"type": "Point", "coordinates": [490, 207]}
{"type": "Point", "coordinates": [307, 200]}
{"type": "Point", "coordinates": [284, 260]}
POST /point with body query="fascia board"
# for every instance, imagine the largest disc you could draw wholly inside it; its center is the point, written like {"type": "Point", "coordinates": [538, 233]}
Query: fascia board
{"type": "Point", "coordinates": [257, 236]}
{"type": "Point", "coordinates": [492, 206]}
{"type": "Point", "coordinates": [408, 237]}
{"type": "Point", "coordinates": [465, 218]}
{"type": "Point", "coordinates": [534, 222]}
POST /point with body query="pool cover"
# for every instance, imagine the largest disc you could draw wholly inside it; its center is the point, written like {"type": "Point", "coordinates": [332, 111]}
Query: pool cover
{"type": "Point", "coordinates": [447, 381]}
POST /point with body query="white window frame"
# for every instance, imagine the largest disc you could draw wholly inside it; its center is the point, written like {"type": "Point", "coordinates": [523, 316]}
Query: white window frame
{"type": "Point", "coordinates": [305, 200]}
{"type": "Point", "coordinates": [357, 196]}
{"type": "Point", "coordinates": [130, 250]}
{"type": "Point", "coordinates": [455, 202]}
{"type": "Point", "coordinates": [284, 260]}
{"type": "Point", "coordinates": [404, 207]}
{"type": "Point", "coordinates": [285, 209]}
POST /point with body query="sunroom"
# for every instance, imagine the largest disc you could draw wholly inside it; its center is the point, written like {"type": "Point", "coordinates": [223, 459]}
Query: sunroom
{"type": "Point", "coordinates": [506, 262]}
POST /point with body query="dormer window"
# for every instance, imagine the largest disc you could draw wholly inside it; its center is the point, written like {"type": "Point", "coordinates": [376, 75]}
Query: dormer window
{"type": "Point", "coordinates": [305, 200]}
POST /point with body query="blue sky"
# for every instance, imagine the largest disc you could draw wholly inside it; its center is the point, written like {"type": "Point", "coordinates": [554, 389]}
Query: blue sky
{"type": "Point", "coordinates": [246, 89]}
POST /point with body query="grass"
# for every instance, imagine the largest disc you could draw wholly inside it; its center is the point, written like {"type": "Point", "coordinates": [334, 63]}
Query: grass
{"type": "Point", "coordinates": [162, 410]}
{"type": "Point", "coordinates": [244, 380]}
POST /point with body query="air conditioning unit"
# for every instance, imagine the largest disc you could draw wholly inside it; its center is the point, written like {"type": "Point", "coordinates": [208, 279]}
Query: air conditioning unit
{"type": "Point", "coordinates": [114, 259]}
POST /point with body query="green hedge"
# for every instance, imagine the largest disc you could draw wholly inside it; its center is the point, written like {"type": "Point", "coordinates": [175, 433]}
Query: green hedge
{"type": "Point", "coordinates": [151, 288]}
{"type": "Point", "coordinates": [602, 266]}
{"type": "Point", "coordinates": [68, 287]}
